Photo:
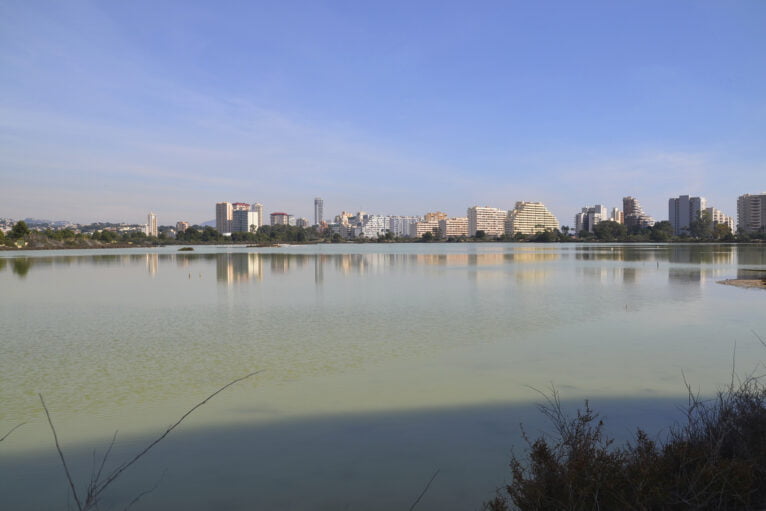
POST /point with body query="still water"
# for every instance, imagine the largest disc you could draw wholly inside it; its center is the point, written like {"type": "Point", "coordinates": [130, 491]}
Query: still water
{"type": "Point", "coordinates": [380, 363]}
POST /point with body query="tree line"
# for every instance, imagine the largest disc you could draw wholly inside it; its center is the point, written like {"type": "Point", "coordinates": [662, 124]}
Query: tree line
{"type": "Point", "coordinates": [608, 231]}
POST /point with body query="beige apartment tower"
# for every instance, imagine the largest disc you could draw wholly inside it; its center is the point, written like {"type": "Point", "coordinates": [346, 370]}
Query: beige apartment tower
{"type": "Point", "coordinates": [223, 216]}
{"type": "Point", "coordinates": [530, 218]}
{"type": "Point", "coordinates": [418, 229]}
{"type": "Point", "coordinates": [151, 224]}
{"type": "Point", "coordinates": [258, 208]}
{"type": "Point", "coordinates": [453, 227]}
{"type": "Point", "coordinates": [489, 220]}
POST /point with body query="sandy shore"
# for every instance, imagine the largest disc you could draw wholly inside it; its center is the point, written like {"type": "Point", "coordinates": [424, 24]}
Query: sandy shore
{"type": "Point", "coordinates": [750, 283]}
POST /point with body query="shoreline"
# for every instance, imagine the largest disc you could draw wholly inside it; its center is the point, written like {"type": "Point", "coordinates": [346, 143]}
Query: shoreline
{"type": "Point", "coordinates": [368, 242]}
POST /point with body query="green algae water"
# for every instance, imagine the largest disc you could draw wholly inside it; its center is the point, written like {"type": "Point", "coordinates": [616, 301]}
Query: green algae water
{"type": "Point", "coordinates": [380, 363]}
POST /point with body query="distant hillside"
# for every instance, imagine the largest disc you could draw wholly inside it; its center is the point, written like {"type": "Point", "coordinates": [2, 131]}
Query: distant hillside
{"type": "Point", "coordinates": [211, 223]}
{"type": "Point", "coordinates": [38, 221]}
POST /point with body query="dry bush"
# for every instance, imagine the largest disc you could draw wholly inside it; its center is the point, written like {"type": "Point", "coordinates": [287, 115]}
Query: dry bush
{"type": "Point", "coordinates": [714, 459]}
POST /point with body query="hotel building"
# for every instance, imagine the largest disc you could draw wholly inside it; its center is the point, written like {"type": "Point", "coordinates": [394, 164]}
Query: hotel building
{"type": "Point", "coordinates": [489, 220]}
{"type": "Point", "coordinates": [751, 213]}
{"type": "Point", "coordinates": [151, 224]}
{"type": "Point", "coordinates": [223, 217]}
{"type": "Point", "coordinates": [453, 227]}
{"type": "Point", "coordinates": [530, 218]}
{"type": "Point", "coordinates": [634, 215]}
{"type": "Point", "coordinates": [684, 211]}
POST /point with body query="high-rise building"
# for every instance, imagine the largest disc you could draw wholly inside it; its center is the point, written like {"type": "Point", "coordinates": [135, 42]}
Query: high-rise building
{"type": "Point", "coordinates": [223, 216]}
{"type": "Point", "coordinates": [684, 211]}
{"type": "Point", "coordinates": [240, 206]}
{"type": "Point", "coordinates": [244, 220]}
{"type": "Point", "coordinates": [375, 226]}
{"type": "Point", "coordinates": [719, 217]}
{"type": "Point", "coordinates": [489, 220]}
{"type": "Point", "coordinates": [434, 216]}
{"type": "Point", "coordinates": [453, 227]}
{"type": "Point", "coordinates": [181, 226]}
{"type": "Point", "coordinates": [258, 208]}
{"type": "Point", "coordinates": [318, 211]}
{"type": "Point", "coordinates": [302, 222]}
{"type": "Point", "coordinates": [151, 224]}
{"type": "Point", "coordinates": [751, 213]}
{"type": "Point", "coordinates": [280, 218]}
{"type": "Point", "coordinates": [418, 229]}
{"type": "Point", "coordinates": [530, 218]}
{"type": "Point", "coordinates": [617, 216]}
{"type": "Point", "coordinates": [400, 225]}
{"type": "Point", "coordinates": [634, 215]}
{"type": "Point", "coordinates": [589, 217]}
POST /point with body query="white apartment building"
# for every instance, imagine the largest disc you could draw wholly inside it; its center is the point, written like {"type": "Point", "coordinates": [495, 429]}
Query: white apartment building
{"type": "Point", "coordinates": [400, 225]}
{"type": "Point", "coordinates": [258, 208]}
{"type": "Point", "coordinates": [244, 220]}
{"type": "Point", "coordinates": [751, 212]}
{"type": "Point", "coordinates": [589, 217]}
{"type": "Point", "coordinates": [151, 224]}
{"type": "Point", "coordinates": [484, 218]}
{"type": "Point", "coordinates": [453, 227]}
{"type": "Point", "coordinates": [719, 217]}
{"type": "Point", "coordinates": [684, 211]}
{"type": "Point", "coordinates": [375, 226]}
{"type": "Point", "coordinates": [530, 218]}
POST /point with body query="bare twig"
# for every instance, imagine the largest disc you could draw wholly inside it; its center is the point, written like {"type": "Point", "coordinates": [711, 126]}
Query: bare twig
{"type": "Point", "coordinates": [106, 455]}
{"type": "Point", "coordinates": [14, 428]}
{"type": "Point", "coordinates": [96, 485]}
{"type": "Point", "coordinates": [144, 493]}
{"type": "Point", "coordinates": [759, 338]}
{"type": "Point", "coordinates": [61, 455]}
{"type": "Point", "coordinates": [119, 470]}
{"type": "Point", "coordinates": [424, 490]}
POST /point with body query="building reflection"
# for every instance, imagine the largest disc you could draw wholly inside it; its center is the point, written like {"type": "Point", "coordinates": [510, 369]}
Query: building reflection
{"type": "Point", "coordinates": [232, 268]}
{"type": "Point", "coordinates": [751, 274]}
{"type": "Point", "coordinates": [152, 263]}
{"type": "Point", "coordinates": [701, 254]}
{"type": "Point", "coordinates": [751, 255]}
{"type": "Point", "coordinates": [674, 253]}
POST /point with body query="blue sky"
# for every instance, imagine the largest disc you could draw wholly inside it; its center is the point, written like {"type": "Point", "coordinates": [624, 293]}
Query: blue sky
{"type": "Point", "coordinates": [109, 109]}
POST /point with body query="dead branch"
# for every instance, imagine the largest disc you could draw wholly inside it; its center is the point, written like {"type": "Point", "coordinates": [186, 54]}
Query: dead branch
{"type": "Point", "coordinates": [97, 486]}
{"type": "Point", "coordinates": [424, 490]}
{"type": "Point", "coordinates": [61, 454]}
{"type": "Point", "coordinates": [14, 428]}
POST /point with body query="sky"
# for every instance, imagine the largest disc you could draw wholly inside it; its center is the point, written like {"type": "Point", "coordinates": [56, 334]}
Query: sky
{"type": "Point", "coordinates": [111, 109]}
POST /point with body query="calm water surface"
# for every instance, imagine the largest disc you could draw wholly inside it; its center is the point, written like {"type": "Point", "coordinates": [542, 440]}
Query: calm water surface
{"type": "Point", "coordinates": [381, 363]}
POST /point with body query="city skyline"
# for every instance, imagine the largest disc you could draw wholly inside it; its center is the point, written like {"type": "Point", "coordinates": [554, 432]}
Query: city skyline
{"type": "Point", "coordinates": [116, 109]}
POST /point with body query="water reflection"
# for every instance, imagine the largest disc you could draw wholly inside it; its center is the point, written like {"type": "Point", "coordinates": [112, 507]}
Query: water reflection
{"type": "Point", "coordinates": [688, 262]}
{"type": "Point", "coordinates": [232, 268]}
{"type": "Point", "coordinates": [21, 267]}
{"type": "Point", "coordinates": [152, 263]}
{"type": "Point", "coordinates": [674, 253]}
